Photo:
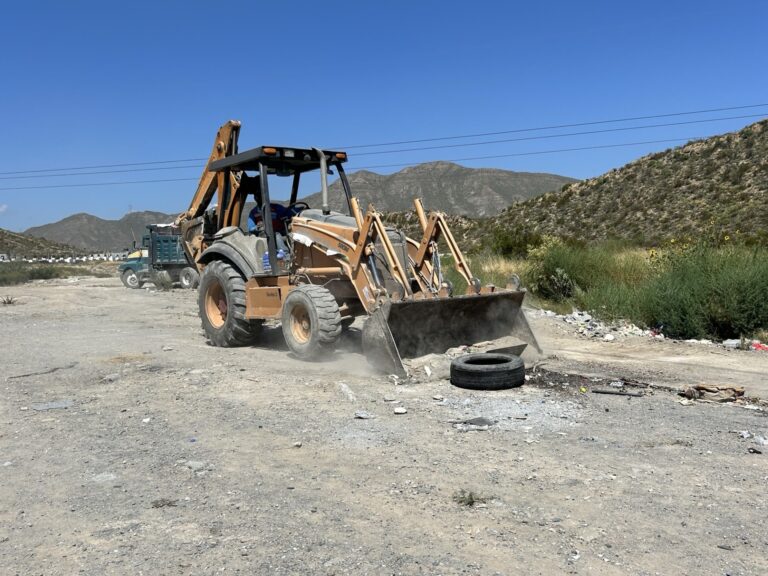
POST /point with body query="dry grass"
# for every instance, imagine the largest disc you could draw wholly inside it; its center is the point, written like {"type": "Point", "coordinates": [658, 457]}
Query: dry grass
{"type": "Point", "coordinates": [469, 498]}
{"type": "Point", "coordinates": [499, 266]}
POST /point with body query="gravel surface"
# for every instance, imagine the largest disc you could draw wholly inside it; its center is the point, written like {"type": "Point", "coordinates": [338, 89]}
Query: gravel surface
{"type": "Point", "coordinates": [129, 446]}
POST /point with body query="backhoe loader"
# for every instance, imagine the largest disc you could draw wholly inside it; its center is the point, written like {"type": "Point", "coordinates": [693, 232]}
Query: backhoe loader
{"type": "Point", "coordinates": [317, 270]}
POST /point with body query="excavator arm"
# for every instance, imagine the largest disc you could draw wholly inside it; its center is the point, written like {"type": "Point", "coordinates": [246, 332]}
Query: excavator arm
{"type": "Point", "coordinates": [191, 221]}
{"type": "Point", "coordinates": [224, 145]}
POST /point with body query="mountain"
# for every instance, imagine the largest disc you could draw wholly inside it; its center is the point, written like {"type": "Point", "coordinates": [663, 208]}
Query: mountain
{"type": "Point", "coordinates": [94, 234]}
{"type": "Point", "coordinates": [15, 244]}
{"type": "Point", "coordinates": [443, 186]}
{"type": "Point", "coordinates": [715, 186]}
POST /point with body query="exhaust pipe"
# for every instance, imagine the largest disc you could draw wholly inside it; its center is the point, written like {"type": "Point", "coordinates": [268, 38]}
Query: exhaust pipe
{"type": "Point", "coordinates": [323, 179]}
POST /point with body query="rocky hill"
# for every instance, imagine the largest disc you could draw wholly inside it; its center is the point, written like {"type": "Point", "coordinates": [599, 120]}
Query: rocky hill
{"type": "Point", "coordinates": [14, 244]}
{"type": "Point", "coordinates": [94, 234]}
{"type": "Point", "coordinates": [444, 186]}
{"type": "Point", "coordinates": [718, 185]}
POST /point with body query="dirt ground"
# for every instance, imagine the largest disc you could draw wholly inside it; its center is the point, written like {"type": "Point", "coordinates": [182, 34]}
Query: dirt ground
{"type": "Point", "coordinates": [130, 446]}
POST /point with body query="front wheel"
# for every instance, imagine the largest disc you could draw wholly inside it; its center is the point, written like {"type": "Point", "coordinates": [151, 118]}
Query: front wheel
{"type": "Point", "coordinates": [189, 278]}
{"type": "Point", "coordinates": [311, 321]}
{"type": "Point", "coordinates": [130, 279]}
{"type": "Point", "coordinates": [221, 302]}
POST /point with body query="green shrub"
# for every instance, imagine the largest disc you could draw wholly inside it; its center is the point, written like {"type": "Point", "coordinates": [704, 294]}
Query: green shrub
{"type": "Point", "coordinates": [699, 292]}
{"type": "Point", "coordinates": [19, 272]}
{"type": "Point", "coordinates": [514, 244]}
{"type": "Point", "coordinates": [559, 271]}
{"type": "Point", "coordinates": [710, 290]}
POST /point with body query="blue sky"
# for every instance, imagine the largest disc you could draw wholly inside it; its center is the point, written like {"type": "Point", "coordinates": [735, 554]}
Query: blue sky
{"type": "Point", "coordinates": [98, 83]}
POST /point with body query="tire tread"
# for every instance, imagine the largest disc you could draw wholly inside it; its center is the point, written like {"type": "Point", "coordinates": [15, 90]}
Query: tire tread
{"type": "Point", "coordinates": [502, 376]}
{"type": "Point", "coordinates": [237, 330]}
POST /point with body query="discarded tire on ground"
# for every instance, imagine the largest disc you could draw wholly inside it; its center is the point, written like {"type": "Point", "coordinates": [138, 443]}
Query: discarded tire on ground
{"type": "Point", "coordinates": [487, 371]}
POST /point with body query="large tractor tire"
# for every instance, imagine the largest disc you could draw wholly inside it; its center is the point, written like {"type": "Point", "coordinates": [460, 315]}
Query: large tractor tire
{"type": "Point", "coordinates": [311, 321]}
{"type": "Point", "coordinates": [130, 279]}
{"type": "Point", "coordinates": [189, 278]}
{"type": "Point", "coordinates": [221, 301]}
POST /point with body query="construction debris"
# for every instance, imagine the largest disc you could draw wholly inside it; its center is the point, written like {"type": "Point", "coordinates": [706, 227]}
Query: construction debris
{"type": "Point", "coordinates": [54, 405]}
{"type": "Point", "coordinates": [591, 328]}
{"type": "Point", "coordinates": [616, 392]}
{"type": "Point", "coordinates": [712, 393]}
{"type": "Point", "coordinates": [481, 423]}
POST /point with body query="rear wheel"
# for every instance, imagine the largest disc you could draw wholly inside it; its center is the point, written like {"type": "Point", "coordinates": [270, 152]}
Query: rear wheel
{"type": "Point", "coordinates": [221, 301]}
{"type": "Point", "coordinates": [130, 279]}
{"type": "Point", "coordinates": [311, 321]}
{"type": "Point", "coordinates": [189, 278]}
{"type": "Point", "coordinates": [162, 279]}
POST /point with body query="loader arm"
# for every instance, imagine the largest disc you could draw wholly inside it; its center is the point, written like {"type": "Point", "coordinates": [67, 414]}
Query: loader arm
{"type": "Point", "coordinates": [357, 249]}
{"type": "Point", "coordinates": [433, 227]}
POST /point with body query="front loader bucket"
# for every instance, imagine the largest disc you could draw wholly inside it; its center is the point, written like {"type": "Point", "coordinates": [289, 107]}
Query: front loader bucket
{"type": "Point", "coordinates": [412, 328]}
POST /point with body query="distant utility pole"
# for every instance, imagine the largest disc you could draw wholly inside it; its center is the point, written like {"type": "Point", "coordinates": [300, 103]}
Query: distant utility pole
{"type": "Point", "coordinates": [130, 208]}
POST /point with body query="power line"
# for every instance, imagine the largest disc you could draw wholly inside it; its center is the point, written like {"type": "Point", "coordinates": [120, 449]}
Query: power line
{"type": "Point", "coordinates": [532, 153]}
{"type": "Point", "coordinates": [550, 136]}
{"type": "Point", "coordinates": [104, 166]}
{"type": "Point", "coordinates": [552, 127]}
{"type": "Point", "coordinates": [506, 140]}
{"type": "Point", "coordinates": [97, 184]}
{"type": "Point", "coordinates": [436, 139]}
{"type": "Point", "coordinates": [101, 172]}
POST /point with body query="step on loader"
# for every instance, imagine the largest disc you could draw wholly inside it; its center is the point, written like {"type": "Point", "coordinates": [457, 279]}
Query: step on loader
{"type": "Point", "coordinates": [318, 270]}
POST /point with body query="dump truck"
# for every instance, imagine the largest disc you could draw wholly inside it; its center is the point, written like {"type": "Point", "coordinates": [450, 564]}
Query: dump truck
{"type": "Point", "coordinates": [161, 259]}
{"type": "Point", "coordinates": [317, 271]}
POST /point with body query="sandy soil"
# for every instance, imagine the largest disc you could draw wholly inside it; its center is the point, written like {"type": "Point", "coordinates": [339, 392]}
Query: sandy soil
{"type": "Point", "coordinates": [129, 446]}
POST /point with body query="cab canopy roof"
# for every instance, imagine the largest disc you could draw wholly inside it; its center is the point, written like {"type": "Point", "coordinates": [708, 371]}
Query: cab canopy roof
{"type": "Point", "coordinates": [277, 159]}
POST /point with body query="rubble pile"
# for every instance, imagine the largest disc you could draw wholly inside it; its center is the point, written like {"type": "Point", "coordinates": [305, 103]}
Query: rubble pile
{"type": "Point", "coordinates": [590, 327]}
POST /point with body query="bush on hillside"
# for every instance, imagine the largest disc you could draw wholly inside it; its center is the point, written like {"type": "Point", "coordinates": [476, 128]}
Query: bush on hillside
{"type": "Point", "coordinates": [513, 244]}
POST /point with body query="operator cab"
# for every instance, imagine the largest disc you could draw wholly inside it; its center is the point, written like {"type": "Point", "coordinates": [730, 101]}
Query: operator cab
{"type": "Point", "coordinates": [279, 161]}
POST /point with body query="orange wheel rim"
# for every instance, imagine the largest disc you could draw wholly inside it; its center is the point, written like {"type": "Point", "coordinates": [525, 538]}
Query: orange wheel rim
{"type": "Point", "coordinates": [216, 305]}
{"type": "Point", "coordinates": [301, 327]}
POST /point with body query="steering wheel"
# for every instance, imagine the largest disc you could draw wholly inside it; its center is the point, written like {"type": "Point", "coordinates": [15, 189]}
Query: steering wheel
{"type": "Point", "coordinates": [297, 207]}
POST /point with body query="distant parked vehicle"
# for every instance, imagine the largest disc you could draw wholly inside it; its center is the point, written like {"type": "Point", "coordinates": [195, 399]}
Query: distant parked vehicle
{"type": "Point", "coordinates": [160, 260]}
